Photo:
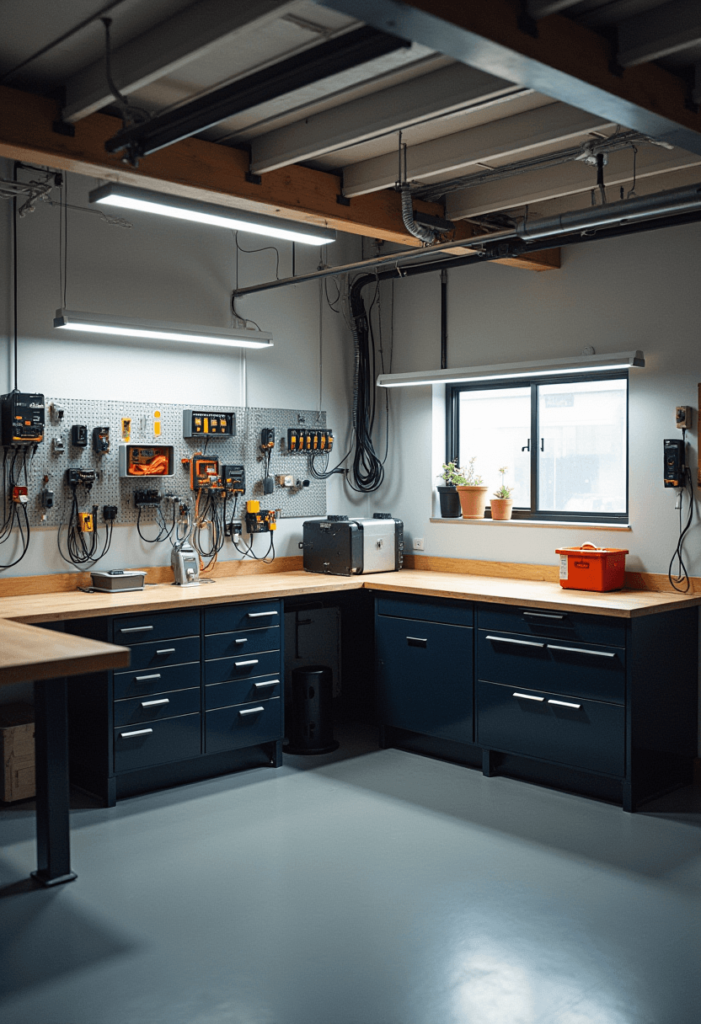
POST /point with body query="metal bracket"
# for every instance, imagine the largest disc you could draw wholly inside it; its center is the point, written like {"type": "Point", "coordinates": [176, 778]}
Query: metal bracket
{"type": "Point", "coordinates": [342, 200]}
{"type": "Point", "coordinates": [63, 128]}
{"type": "Point", "coordinates": [253, 179]}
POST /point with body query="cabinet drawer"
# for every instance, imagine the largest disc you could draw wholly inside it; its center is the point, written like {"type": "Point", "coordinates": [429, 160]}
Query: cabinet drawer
{"type": "Point", "coordinates": [244, 725]}
{"type": "Point", "coordinates": [135, 629]}
{"type": "Point", "coordinates": [424, 677]}
{"type": "Point", "coordinates": [588, 735]}
{"type": "Point", "coordinates": [165, 652]}
{"type": "Point", "coordinates": [592, 629]}
{"type": "Point", "coordinates": [229, 617]}
{"type": "Point", "coordinates": [222, 695]}
{"type": "Point", "coordinates": [242, 668]}
{"type": "Point", "coordinates": [135, 684]}
{"type": "Point", "coordinates": [242, 643]}
{"type": "Point", "coordinates": [153, 707]}
{"type": "Point", "coordinates": [597, 673]}
{"type": "Point", "coordinates": [175, 739]}
{"type": "Point", "coordinates": [456, 613]}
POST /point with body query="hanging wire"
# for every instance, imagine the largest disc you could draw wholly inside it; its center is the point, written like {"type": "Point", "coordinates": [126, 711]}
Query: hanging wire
{"type": "Point", "coordinates": [14, 278]}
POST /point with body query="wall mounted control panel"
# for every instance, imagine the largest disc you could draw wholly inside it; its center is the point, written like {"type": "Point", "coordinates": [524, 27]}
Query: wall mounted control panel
{"type": "Point", "coordinates": [674, 463]}
{"type": "Point", "coordinates": [22, 418]}
{"type": "Point", "coordinates": [197, 423]}
{"type": "Point", "coordinates": [301, 440]}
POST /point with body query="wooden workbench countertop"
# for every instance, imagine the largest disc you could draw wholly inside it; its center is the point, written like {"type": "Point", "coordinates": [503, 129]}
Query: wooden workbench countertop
{"type": "Point", "coordinates": [29, 654]}
{"type": "Point", "coordinates": [38, 608]}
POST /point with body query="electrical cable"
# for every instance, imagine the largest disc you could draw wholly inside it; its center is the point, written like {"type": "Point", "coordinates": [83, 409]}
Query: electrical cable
{"type": "Point", "coordinates": [79, 552]}
{"type": "Point", "coordinates": [16, 516]}
{"type": "Point", "coordinates": [14, 276]}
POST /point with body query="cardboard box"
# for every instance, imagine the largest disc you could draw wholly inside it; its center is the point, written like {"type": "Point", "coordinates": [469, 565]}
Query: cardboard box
{"type": "Point", "coordinates": [17, 752]}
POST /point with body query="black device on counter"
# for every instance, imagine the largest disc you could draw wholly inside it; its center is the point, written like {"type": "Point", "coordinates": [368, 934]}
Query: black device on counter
{"type": "Point", "coordinates": [340, 546]}
{"type": "Point", "coordinates": [22, 418]}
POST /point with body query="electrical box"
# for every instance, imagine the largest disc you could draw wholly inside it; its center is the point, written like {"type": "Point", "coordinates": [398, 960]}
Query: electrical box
{"type": "Point", "coordinates": [204, 473]}
{"type": "Point", "coordinates": [208, 424]}
{"type": "Point", "coordinates": [79, 435]}
{"type": "Point", "coordinates": [22, 418]}
{"type": "Point", "coordinates": [86, 477]}
{"type": "Point", "coordinates": [137, 460]}
{"type": "Point", "coordinates": [267, 438]}
{"type": "Point", "coordinates": [674, 463]}
{"type": "Point", "coordinates": [147, 499]}
{"type": "Point", "coordinates": [682, 417]}
{"type": "Point", "coordinates": [233, 479]}
{"type": "Point", "coordinates": [101, 440]}
{"type": "Point", "coordinates": [309, 440]}
{"type": "Point", "coordinates": [260, 520]}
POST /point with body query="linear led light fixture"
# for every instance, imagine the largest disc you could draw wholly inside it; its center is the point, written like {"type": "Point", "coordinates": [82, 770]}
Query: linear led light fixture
{"type": "Point", "coordinates": [135, 327]}
{"type": "Point", "coordinates": [539, 368]}
{"type": "Point", "coordinates": [128, 198]}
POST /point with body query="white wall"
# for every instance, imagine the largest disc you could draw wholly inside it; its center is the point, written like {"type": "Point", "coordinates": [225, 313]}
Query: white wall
{"type": "Point", "coordinates": [162, 269]}
{"type": "Point", "coordinates": [636, 292]}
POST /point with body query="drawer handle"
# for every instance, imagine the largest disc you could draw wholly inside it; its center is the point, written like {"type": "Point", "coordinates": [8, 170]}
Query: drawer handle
{"type": "Point", "coordinates": [252, 661]}
{"type": "Point", "coordinates": [520, 643]}
{"type": "Point", "coordinates": [137, 732]}
{"type": "Point", "coordinates": [272, 682]}
{"type": "Point", "coordinates": [242, 640]}
{"type": "Point", "coordinates": [565, 704]}
{"type": "Point", "coordinates": [167, 650]}
{"type": "Point", "coordinates": [581, 650]}
{"type": "Point", "coordinates": [153, 703]}
{"type": "Point", "coordinates": [251, 711]}
{"type": "Point", "coordinates": [417, 641]}
{"type": "Point", "coordinates": [543, 615]}
{"type": "Point", "coordinates": [142, 679]}
{"type": "Point", "coordinates": [135, 629]}
{"type": "Point", "coordinates": [260, 615]}
{"type": "Point", "coordinates": [528, 696]}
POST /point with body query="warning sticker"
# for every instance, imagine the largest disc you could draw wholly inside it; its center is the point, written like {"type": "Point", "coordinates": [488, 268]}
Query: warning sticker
{"type": "Point", "coordinates": [563, 567]}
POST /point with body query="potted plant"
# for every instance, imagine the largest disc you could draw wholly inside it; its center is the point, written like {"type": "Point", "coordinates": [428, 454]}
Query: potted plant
{"type": "Point", "coordinates": [448, 495]}
{"type": "Point", "coordinates": [502, 503]}
{"type": "Point", "coordinates": [472, 492]}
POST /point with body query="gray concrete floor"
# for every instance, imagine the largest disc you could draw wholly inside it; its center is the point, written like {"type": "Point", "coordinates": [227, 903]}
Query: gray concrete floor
{"type": "Point", "coordinates": [365, 887]}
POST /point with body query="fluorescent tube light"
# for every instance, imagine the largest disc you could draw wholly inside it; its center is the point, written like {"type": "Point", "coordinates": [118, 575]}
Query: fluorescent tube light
{"type": "Point", "coordinates": [134, 327]}
{"type": "Point", "coordinates": [128, 198]}
{"type": "Point", "coordinates": [505, 371]}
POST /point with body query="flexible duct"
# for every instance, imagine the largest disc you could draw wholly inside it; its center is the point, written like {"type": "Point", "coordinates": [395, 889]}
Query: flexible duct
{"type": "Point", "coordinates": [417, 230]}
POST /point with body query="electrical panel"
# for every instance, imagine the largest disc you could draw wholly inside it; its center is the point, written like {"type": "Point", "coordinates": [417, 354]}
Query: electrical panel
{"type": "Point", "coordinates": [150, 498]}
{"type": "Point", "coordinates": [101, 440]}
{"type": "Point", "coordinates": [81, 477]}
{"type": "Point", "coordinates": [79, 435]}
{"type": "Point", "coordinates": [22, 418]}
{"type": "Point", "coordinates": [302, 440]}
{"type": "Point", "coordinates": [208, 424]}
{"type": "Point", "coordinates": [204, 473]}
{"type": "Point", "coordinates": [233, 479]}
{"type": "Point", "coordinates": [682, 417]}
{"type": "Point", "coordinates": [674, 463]}
{"type": "Point", "coordinates": [136, 460]}
{"type": "Point", "coordinates": [260, 520]}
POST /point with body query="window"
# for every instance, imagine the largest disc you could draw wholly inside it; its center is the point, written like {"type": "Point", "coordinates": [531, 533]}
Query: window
{"type": "Point", "coordinates": [564, 441]}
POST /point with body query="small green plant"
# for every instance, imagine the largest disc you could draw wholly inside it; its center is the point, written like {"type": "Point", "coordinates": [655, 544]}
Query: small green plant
{"type": "Point", "coordinates": [451, 474]}
{"type": "Point", "coordinates": [470, 478]}
{"type": "Point", "coordinates": [503, 491]}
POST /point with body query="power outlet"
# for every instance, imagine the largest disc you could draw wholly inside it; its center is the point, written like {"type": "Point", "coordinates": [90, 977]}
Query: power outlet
{"type": "Point", "coordinates": [418, 543]}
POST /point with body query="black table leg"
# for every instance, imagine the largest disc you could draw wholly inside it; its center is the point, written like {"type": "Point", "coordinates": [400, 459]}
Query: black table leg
{"type": "Point", "coordinates": [52, 800]}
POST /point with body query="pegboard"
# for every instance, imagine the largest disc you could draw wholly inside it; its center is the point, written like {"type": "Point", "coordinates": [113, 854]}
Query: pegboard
{"type": "Point", "coordinates": [109, 489]}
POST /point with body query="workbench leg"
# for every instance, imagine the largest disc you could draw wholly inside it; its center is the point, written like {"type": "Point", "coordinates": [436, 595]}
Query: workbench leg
{"type": "Point", "coordinates": [52, 799]}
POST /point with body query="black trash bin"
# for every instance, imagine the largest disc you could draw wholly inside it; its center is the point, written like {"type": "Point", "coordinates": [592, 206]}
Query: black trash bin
{"type": "Point", "coordinates": [310, 723]}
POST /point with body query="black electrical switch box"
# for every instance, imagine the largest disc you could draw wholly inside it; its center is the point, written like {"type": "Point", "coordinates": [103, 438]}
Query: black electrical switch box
{"type": "Point", "coordinates": [22, 418]}
{"type": "Point", "coordinates": [233, 479]}
{"type": "Point", "coordinates": [674, 463]}
{"type": "Point", "coordinates": [267, 437]}
{"type": "Point", "coordinates": [101, 440]}
{"type": "Point", "coordinates": [79, 435]}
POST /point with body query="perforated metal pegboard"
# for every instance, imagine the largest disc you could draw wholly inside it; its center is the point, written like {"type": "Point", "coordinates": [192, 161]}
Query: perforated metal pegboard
{"type": "Point", "coordinates": [298, 501]}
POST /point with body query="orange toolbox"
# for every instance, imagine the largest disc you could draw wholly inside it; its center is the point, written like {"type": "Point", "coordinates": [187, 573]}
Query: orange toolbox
{"type": "Point", "coordinates": [591, 568]}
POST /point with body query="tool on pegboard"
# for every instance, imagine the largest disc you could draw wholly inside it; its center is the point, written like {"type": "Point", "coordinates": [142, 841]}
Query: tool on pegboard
{"type": "Point", "coordinates": [260, 520]}
{"type": "Point", "coordinates": [267, 443]}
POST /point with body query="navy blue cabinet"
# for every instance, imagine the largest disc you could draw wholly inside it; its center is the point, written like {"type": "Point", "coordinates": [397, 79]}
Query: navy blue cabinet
{"type": "Point", "coordinates": [187, 703]}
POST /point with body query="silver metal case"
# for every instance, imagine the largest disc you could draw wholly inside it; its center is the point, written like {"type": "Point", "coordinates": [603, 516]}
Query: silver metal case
{"type": "Point", "coordinates": [118, 583]}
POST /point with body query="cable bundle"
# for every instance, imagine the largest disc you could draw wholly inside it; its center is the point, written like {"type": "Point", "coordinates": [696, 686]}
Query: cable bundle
{"type": "Point", "coordinates": [79, 551]}
{"type": "Point", "coordinates": [14, 469]}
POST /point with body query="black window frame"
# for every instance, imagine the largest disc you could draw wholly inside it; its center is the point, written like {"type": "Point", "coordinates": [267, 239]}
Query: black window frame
{"type": "Point", "coordinates": [533, 514]}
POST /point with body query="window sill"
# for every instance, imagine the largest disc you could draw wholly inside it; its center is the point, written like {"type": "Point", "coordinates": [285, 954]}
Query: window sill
{"type": "Point", "coordinates": [535, 522]}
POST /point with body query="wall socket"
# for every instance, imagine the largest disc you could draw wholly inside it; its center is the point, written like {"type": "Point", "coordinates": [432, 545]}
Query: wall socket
{"type": "Point", "coordinates": [418, 543]}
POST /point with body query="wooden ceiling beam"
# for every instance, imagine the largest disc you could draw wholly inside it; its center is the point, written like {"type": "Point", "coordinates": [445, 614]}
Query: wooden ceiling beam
{"type": "Point", "coordinates": [201, 170]}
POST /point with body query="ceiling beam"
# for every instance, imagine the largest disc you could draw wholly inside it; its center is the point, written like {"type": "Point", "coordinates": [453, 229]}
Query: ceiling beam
{"type": "Point", "coordinates": [509, 137]}
{"type": "Point", "coordinates": [563, 59]}
{"type": "Point", "coordinates": [433, 94]}
{"type": "Point", "coordinates": [566, 180]}
{"type": "Point", "coordinates": [187, 36]}
{"type": "Point", "coordinates": [659, 32]}
{"type": "Point", "coordinates": [543, 8]}
{"type": "Point", "coordinates": [351, 50]}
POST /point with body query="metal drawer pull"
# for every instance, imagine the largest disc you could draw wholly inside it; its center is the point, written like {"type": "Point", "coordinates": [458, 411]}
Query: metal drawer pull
{"type": "Point", "coordinates": [142, 679]}
{"type": "Point", "coordinates": [259, 615]}
{"type": "Point", "coordinates": [544, 615]}
{"type": "Point", "coordinates": [521, 643]}
{"type": "Point", "coordinates": [153, 703]}
{"type": "Point", "coordinates": [134, 629]}
{"type": "Point", "coordinates": [528, 696]}
{"type": "Point", "coordinates": [241, 640]}
{"type": "Point", "coordinates": [417, 641]}
{"type": "Point", "coordinates": [581, 650]}
{"type": "Point", "coordinates": [273, 682]}
{"type": "Point", "coordinates": [137, 732]}
{"type": "Point", "coordinates": [251, 711]}
{"type": "Point", "coordinates": [167, 650]}
{"type": "Point", "coordinates": [565, 704]}
{"type": "Point", "coordinates": [240, 664]}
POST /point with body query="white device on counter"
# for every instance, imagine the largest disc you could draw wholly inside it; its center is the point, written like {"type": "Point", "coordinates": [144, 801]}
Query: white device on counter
{"type": "Point", "coordinates": [185, 563]}
{"type": "Point", "coordinates": [118, 581]}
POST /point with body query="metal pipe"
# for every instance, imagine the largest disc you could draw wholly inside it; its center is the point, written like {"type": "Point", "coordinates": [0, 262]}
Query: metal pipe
{"type": "Point", "coordinates": [427, 235]}
{"type": "Point", "coordinates": [444, 319]}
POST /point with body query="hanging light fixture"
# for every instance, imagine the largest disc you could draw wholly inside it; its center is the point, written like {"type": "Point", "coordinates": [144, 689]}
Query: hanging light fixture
{"type": "Point", "coordinates": [158, 330]}
{"type": "Point", "coordinates": [163, 205]}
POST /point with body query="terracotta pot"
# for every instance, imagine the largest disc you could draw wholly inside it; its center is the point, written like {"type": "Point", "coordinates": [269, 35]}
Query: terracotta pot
{"type": "Point", "coordinates": [501, 508]}
{"type": "Point", "coordinates": [472, 501]}
{"type": "Point", "coordinates": [450, 502]}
